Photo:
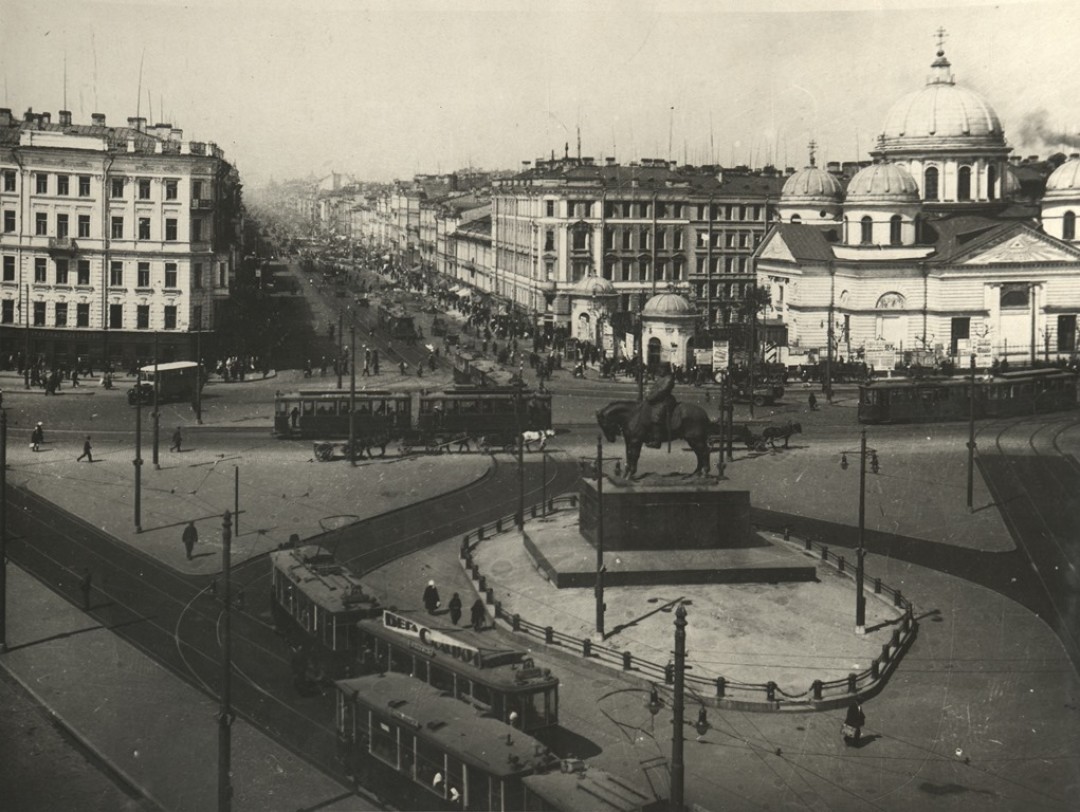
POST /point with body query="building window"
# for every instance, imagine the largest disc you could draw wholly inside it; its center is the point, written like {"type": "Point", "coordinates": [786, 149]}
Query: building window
{"type": "Point", "coordinates": [1015, 296]}
{"type": "Point", "coordinates": [627, 240]}
{"type": "Point", "coordinates": [42, 181]}
{"type": "Point", "coordinates": [196, 317]}
{"type": "Point", "coordinates": [61, 314]}
{"type": "Point", "coordinates": [196, 275]}
{"type": "Point", "coordinates": [580, 239]}
{"type": "Point", "coordinates": [9, 268]}
{"type": "Point", "coordinates": [82, 314]}
{"type": "Point", "coordinates": [116, 274]}
{"type": "Point", "coordinates": [1066, 333]}
{"type": "Point", "coordinates": [61, 225]}
{"type": "Point", "coordinates": [7, 313]}
{"type": "Point", "coordinates": [41, 223]}
{"type": "Point", "coordinates": [796, 219]}
{"type": "Point", "coordinates": [678, 244]}
{"type": "Point", "coordinates": [895, 229]}
{"type": "Point", "coordinates": [549, 239]}
{"type": "Point", "coordinates": [142, 317]}
{"type": "Point", "coordinates": [144, 188]}
{"type": "Point", "coordinates": [196, 230]}
{"type": "Point", "coordinates": [41, 270]}
{"type": "Point", "coordinates": [550, 208]}
{"type": "Point", "coordinates": [646, 210]}
{"type": "Point", "coordinates": [1068, 226]}
{"type": "Point", "coordinates": [116, 316]}
{"type": "Point", "coordinates": [9, 180]}
{"type": "Point", "coordinates": [118, 228]}
{"type": "Point", "coordinates": [196, 189]}
{"type": "Point", "coordinates": [991, 182]}
{"type": "Point", "coordinates": [63, 185]}
{"type": "Point", "coordinates": [930, 183]}
{"type": "Point", "coordinates": [39, 314]}
{"type": "Point", "coordinates": [170, 229]}
{"type": "Point", "coordinates": [222, 273]}
{"type": "Point", "coordinates": [61, 271]}
{"type": "Point", "coordinates": [142, 278]}
{"type": "Point", "coordinates": [170, 275]}
{"type": "Point", "coordinates": [84, 186]}
{"type": "Point", "coordinates": [171, 189]}
{"type": "Point", "coordinates": [117, 187]}
{"type": "Point", "coordinates": [144, 228]}
{"type": "Point", "coordinates": [170, 317]}
{"type": "Point", "coordinates": [867, 232]}
{"type": "Point", "coordinates": [643, 240]}
{"type": "Point", "coordinates": [661, 240]}
{"type": "Point", "coordinates": [84, 225]}
{"type": "Point", "coordinates": [963, 183]}
{"type": "Point", "coordinates": [549, 272]}
{"type": "Point", "coordinates": [84, 272]}
{"type": "Point", "coordinates": [9, 220]}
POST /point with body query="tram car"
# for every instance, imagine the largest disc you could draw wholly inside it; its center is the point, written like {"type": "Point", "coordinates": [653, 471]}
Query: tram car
{"type": "Point", "coordinates": [928, 400]}
{"type": "Point", "coordinates": [396, 321]}
{"type": "Point", "coordinates": [496, 414]}
{"type": "Point", "coordinates": [316, 603]}
{"type": "Point", "coordinates": [452, 756]}
{"type": "Point", "coordinates": [502, 682]}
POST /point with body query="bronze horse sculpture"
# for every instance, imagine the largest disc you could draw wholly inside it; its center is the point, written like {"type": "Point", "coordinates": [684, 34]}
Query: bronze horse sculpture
{"type": "Point", "coordinates": [687, 421]}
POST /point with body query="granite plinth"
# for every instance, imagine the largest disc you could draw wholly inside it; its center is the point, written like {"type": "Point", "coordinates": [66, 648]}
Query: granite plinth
{"type": "Point", "coordinates": [568, 561]}
{"type": "Point", "coordinates": [664, 513]}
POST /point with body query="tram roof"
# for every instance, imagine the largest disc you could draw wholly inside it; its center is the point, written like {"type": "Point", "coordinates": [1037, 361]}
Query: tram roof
{"type": "Point", "coordinates": [168, 367]}
{"type": "Point", "coordinates": [454, 726]}
{"type": "Point", "coordinates": [961, 380]}
{"type": "Point", "coordinates": [343, 393]}
{"type": "Point", "coordinates": [593, 790]}
{"type": "Point", "coordinates": [329, 584]}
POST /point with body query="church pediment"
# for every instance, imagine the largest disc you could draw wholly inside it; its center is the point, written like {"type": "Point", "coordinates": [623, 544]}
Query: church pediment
{"type": "Point", "coordinates": [776, 248]}
{"type": "Point", "coordinates": [1023, 246]}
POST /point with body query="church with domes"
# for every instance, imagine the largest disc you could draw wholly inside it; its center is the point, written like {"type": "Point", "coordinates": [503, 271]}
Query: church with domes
{"type": "Point", "coordinates": [928, 252]}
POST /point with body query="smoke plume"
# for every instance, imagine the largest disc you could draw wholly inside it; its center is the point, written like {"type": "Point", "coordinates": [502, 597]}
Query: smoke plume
{"type": "Point", "coordinates": [1036, 131]}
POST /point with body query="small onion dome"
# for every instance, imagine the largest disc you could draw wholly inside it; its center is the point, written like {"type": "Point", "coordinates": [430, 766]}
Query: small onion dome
{"type": "Point", "coordinates": [666, 305]}
{"type": "Point", "coordinates": [593, 285]}
{"type": "Point", "coordinates": [1066, 178]}
{"type": "Point", "coordinates": [882, 182]}
{"type": "Point", "coordinates": [812, 184]}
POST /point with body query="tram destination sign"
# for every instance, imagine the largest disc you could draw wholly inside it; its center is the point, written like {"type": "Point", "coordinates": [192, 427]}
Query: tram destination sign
{"type": "Point", "coordinates": [431, 638]}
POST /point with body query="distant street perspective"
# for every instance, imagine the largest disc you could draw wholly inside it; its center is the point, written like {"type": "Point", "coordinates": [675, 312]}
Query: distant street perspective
{"type": "Point", "coordinates": [593, 483]}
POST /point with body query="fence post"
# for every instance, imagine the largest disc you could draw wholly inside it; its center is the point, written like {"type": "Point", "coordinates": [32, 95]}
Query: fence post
{"type": "Point", "coordinates": [898, 599]}
{"type": "Point", "coordinates": [895, 642]}
{"type": "Point", "coordinates": [515, 623]}
{"type": "Point", "coordinates": [877, 586]}
{"type": "Point", "coordinates": [481, 584]}
{"type": "Point", "coordinates": [875, 669]}
{"type": "Point", "coordinates": [885, 653]}
{"type": "Point", "coordinates": [549, 634]}
{"type": "Point", "coordinates": [809, 544]}
{"type": "Point", "coordinates": [465, 548]}
{"type": "Point", "coordinates": [586, 648]}
{"type": "Point", "coordinates": [770, 691]}
{"type": "Point", "coordinates": [721, 687]}
{"type": "Point", "coordinates": [490, 596]}
{"type": "Point", "coordinates": [627, 660]}
{"type": "Point", "coordinates": [852, 679]}
{"type": "Point", "coordinates": [824, 553]}
{"type": "Point", "coordinates": [498, 525]}
{"type": "Point", "coordinates": [816, 687]}
{"type": "Point", "coordinates": [480, 534]}
{"type": "Point", "coordinates": [840, 564]}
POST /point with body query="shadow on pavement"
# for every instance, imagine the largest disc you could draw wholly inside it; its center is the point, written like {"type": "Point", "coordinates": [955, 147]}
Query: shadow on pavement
{"type": "Point", "coordinates": [94, 628]}
{"type": "Point", "coordinates": [566, 743]}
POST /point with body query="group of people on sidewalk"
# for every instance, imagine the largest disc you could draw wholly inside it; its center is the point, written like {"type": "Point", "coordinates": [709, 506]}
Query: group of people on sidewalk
{"type": "Point", "coordinates": [477, 614]}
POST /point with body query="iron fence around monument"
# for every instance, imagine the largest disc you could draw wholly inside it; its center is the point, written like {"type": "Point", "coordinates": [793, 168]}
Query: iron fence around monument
{"type": "Point", "coordinates": [723, 693]}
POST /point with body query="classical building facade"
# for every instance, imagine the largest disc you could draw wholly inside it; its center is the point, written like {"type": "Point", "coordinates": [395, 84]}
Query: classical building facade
{"type": "Point", "coordinates": [110, 236]}
{"type": "Point", "coordinates": [932, 251]}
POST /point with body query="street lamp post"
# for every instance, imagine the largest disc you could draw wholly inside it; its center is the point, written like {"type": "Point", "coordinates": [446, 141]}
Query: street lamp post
{"type": "Point", "coordinates": [340, 354]}
{"type": "Point", "coordinates": [3, 530]}
{"type": "Point", "coordinates": [971, 439]}
{"type": "Point", "coordinates": [198, 372]}
{"type": "Point", "coordinates": [600, 569]}
{"type": "Point", "coordinates": [352, 394]}
{"type": "Point", "coordinates": [225, 715]}
{"type": "Point", "coordinates": [137, 462]}
{"type": "Point", "coordinates": [677, 764]}
{"type": "Point", "coordinates": [860, 599]}
{"type": "Point", "coordinates": [156, 415]}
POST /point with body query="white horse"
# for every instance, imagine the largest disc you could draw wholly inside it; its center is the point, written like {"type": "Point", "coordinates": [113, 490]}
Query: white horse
{"type": "Point", "coordinates": [529, 438]}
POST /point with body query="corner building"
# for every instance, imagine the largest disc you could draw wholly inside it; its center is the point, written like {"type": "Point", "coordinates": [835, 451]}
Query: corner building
{"type": "Point", "coordinates": [111, 235]}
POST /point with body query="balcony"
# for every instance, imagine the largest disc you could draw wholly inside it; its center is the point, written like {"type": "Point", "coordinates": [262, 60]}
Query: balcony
{"type": "Point", "coordinates": [202, 203]}
{"type": "Point", "coordinates": [62, 245]}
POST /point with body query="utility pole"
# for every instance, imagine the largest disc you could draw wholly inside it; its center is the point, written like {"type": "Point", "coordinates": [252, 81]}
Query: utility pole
{"type": "Point", "coordinates": [3, 530]}
{"type": "Point", "coordinates": [860, 599]}
{"type": "Point", "coordinates": [157, 421]}
{"type": "Point", "coordinates": [26, 339]}
{"type": "Point", "coordinates": [138, 451]}
{"type": "Point", "coordinates": [600, 607]}
{"type": "Point", "coordinates": [236, 499]}
{"type": "Point", "coordinates": [971, 439]}
{"type": "Point", "coordinates": [519, 518]}
{"type": "Point", "coordinates": [720, 465]}
{"type": "Point", "coordinates": [352, 394]}
{"type": "Point", "coordinates": [677, 764]}
{"type": "Point", "coordinates": [225, 715]}
{"type": "Point", "coordinates": [340, 354]}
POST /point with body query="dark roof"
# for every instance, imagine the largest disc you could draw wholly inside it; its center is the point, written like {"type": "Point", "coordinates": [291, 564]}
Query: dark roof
{"type": "Point", "coordinates": [806, 242]}
{"type": "Point", "coordinates": [116, 138]}
{"type": "Point", "coordinates": [480, 227]}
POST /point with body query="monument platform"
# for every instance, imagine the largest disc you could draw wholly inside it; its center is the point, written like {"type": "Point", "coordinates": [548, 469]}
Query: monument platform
{"type": "Point", "coordinates": [566, 559]}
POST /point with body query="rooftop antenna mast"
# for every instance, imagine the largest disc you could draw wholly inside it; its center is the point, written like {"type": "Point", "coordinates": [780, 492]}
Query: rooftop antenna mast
{"type": "Point", "coordinates": [712, 143]}
{"type": "Point", "coordinates": [138, 94]}
{"type": "Point", "coordinates": [579, 142]}
{"type": "Point", "coordinates": [65, 80]}
{"type": "Point", "coordinates": [670, 130]}
{"type": "Point", "coordinates": [93, 49]}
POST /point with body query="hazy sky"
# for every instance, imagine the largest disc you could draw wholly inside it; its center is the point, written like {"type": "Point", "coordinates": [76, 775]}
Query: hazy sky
{"type": "Point", "coordinates": [387, 88]}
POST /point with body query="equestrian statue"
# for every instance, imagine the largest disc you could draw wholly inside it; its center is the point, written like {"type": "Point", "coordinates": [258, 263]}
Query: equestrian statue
{"type": "Point", "coordinates": [657, 420]}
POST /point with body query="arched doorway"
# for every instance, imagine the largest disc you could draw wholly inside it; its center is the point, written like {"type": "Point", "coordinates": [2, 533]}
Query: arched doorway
{"type": "Point", "coordinates": [654, 353]}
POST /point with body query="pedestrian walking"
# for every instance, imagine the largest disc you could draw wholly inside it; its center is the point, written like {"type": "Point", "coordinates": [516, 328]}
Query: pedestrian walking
{"type": "Point", "coordinates": [455, 609]}
{"type": "Point", "coordinates": [477, 615]}
{"type": "Point", "coordinates": [177, 438]}
{"type": "Point", "coordinates": [191, 538]}
{"type": "Point", "coordinates": [403, 366]}
{"type": "Point", "coordinates": [431, 598]}
{"type": "Point", "coordinates": [86, 583]}
{"type": "Point", "coordinates": [37, 437]}
{"type": "Point", "coordinates": [853, 723]}
{"type": "Point", "coordinates": [87, 450]}
{"type": "Point", "coordinates": [813, 402]}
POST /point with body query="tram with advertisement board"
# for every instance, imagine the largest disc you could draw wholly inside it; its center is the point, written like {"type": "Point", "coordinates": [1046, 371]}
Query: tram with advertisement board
{"type": "Point", "coordinates": [933, 399]}
{"type": "Point", "coordinates": [449, 754]}
{"type": "Point", "coordinates": [502, 682]}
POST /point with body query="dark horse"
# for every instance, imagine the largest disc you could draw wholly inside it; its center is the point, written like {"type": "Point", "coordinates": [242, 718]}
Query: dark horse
{"type": "Point", "coordinates": [688, 422]}
{"type": "Point", "coordinates": [773, 433]}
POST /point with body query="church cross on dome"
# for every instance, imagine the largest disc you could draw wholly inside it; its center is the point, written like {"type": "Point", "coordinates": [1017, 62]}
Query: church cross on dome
{"type": "Point", "coordinates": [941, 75]}
{"type": "Point", "coordinates": [812, 146]}
{"type": "Point", "coordinates": [940, 35]}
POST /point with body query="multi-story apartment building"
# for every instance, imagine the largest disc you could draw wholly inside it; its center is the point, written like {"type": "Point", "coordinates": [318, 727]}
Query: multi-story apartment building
{"type": "Point", "coordinates": [643, 227]}
{"type": "Point", "coordinates": [110, 236]}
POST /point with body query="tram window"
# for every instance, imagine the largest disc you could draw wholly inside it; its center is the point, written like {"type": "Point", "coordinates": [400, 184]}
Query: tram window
{"type": "Point", "coordinates": [454, 775]}
{"type": "Point", "coordinates": [429, 763]}
{"type": "Point", "coordinates": [400, 661]}
{"type": "Point", "coordinates": [442, 679]}
{"type": "Point", "coordinates": [384, 742]}
{"type": "Point", "coordinates": [481, 694]}
{"type": "Point", "coordinates": [480, 787]}
{"type": "Point", "coordinates": [513, 795]}
{"type": "Point", "coordinates": [487, 406]}
{"type": "Point", "coordinates": [324, 409]}
{"type": "Point", "coordinates": [420, 669]}
{"type": "Point", "coordinates": [307, 408]}
{"type": "Point", "coordinates": [533, 710]}
{"type": "Point", "coordinates": [407, 752]}
{"type": "Point", "coordinates": [363, 407]}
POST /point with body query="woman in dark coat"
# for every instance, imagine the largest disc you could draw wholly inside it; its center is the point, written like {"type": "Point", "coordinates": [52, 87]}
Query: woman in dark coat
{"type": "Point", "coordinates": [853, 723]}
{"type": "Point", "coordinates": [431, 598]}
{"type": "Point", "coordinates": [455, 609]}
{"type": "Point", "coordinates": [477, 615]}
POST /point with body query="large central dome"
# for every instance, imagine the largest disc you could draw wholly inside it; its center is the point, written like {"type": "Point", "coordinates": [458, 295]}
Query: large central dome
{"type": "Point", "coordinates": [941, 114]}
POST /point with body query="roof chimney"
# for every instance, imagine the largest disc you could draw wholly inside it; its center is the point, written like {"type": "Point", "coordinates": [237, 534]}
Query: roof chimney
{"type": "Point", "coordinates": [45, 118]}
{"type": "Point", "coordinates": [5, 116]}
{"type": "Point", "coordinates": [609, 160]}
{"type": "Point", "coordinates": [29, 116]}
{"type": "Point", "coordinates": [98, 119]}
{"type": "Point", "coordinates": [65, 118]}
{"type": "Point", "coordinates": [833, 166]}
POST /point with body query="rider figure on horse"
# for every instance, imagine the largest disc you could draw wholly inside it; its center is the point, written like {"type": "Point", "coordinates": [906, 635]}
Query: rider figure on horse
{"type": "Point", "coordinates": [655, 413]}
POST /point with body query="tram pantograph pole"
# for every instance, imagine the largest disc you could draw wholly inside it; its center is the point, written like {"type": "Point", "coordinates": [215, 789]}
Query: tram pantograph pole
{"type": "Point", "coordinates": [225, 716]}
